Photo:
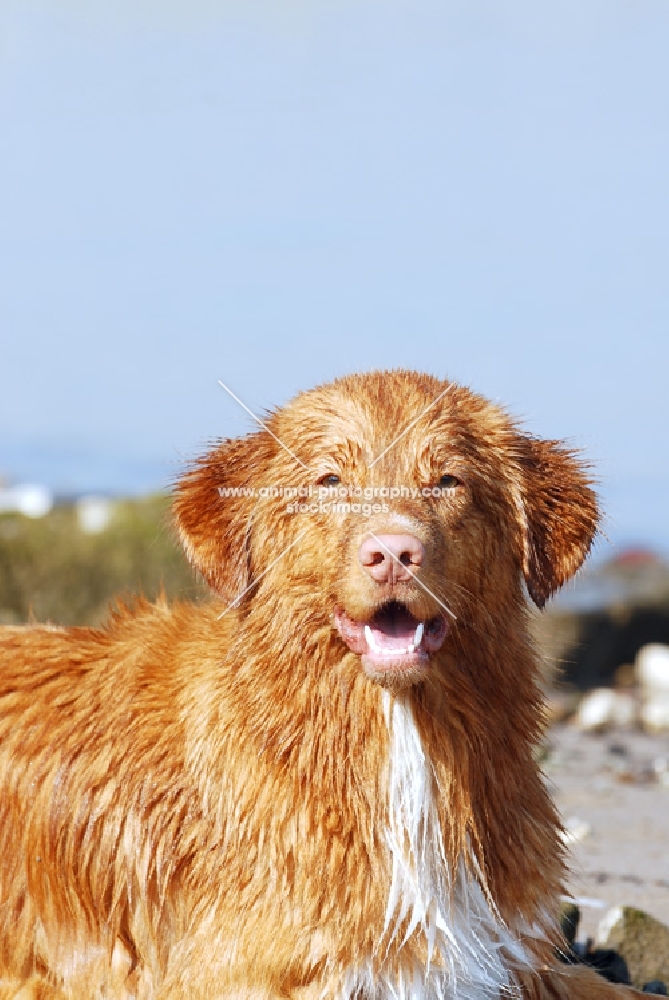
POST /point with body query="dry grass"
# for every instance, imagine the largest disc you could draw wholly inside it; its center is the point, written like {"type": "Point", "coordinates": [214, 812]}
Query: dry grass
{"type": "Point", "coordinates": [50, 570]}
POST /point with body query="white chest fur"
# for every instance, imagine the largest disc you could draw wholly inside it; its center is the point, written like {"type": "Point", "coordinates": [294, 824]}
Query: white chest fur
{"type": "Point", "coordinates": [464, 934]}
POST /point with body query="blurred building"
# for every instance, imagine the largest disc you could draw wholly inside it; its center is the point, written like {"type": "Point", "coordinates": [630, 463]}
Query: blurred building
{"type": "Point", "coordinates": [595, 627]}
{"type": "Point", "coordinates": [94, 513]}
{"type": "Point", "coordinates": [30, 499]}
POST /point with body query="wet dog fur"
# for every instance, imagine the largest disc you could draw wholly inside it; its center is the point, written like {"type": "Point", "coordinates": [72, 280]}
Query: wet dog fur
{"type": "Point", "coordinates": [239, 799]}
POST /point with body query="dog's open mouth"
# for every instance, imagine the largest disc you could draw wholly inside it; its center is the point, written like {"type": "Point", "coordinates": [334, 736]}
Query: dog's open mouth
{"type": "Point", "coordinates": [392, 641]}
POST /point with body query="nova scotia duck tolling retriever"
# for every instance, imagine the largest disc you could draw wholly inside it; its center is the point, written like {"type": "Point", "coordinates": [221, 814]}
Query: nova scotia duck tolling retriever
{"type": "Point", "coordinates": [320, 783]}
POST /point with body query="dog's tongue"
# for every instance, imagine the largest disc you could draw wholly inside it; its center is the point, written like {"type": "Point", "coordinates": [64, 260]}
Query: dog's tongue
{"type": "Point", "coordinates": [393, 627]}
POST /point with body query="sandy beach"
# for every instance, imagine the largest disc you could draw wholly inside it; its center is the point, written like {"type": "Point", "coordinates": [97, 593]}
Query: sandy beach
{"type": "Point", "coordinates": [612, 791]}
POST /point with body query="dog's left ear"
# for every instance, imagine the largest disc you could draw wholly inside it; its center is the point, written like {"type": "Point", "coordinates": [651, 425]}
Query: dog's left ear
{"type": "Point", "coordinates": [213, 509]}
{"type": "Point", "coordinates": [558, 514]}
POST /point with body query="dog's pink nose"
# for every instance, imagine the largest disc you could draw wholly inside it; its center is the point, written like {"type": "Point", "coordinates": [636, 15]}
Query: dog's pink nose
{"type": "Point", "coordinates": [391, 558]}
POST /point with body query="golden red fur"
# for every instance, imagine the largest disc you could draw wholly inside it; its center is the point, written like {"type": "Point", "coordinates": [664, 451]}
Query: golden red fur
{"type": "Point", "coordinates": [256, 804]}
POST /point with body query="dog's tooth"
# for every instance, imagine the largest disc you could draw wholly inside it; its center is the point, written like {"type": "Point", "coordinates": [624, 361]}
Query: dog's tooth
{"type": "Point", "coordinates": [382, 651]}
{"type": "Point", "coordinates": [418, 634]}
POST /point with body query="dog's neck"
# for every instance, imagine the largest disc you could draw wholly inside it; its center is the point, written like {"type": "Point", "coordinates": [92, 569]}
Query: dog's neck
{"type": "Point", "coordinates": [442, 776]}
{"type": "Point", "coordinates": [463, 934]}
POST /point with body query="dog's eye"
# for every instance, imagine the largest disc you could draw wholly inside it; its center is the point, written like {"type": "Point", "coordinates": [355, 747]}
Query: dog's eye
{"type": "Point", "coordinates": [329, 480]}
{"type": "Point", "coordinates": [449, 482]}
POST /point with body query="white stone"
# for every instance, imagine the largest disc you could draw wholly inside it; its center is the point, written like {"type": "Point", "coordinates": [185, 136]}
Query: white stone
{"type": "Point", "coordinates": [607, 923]}
{"type": "Point", "coordinates": [603, 708]}
{"type": "Point", "coordinates": [652, 667]}
{"type": "Point", "coordinates": [575, 829]}
{"type": "Point", "coordinates": [655, 713]}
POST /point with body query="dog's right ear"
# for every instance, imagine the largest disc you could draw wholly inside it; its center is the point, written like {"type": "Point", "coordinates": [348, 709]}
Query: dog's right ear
{"type": "Point", "coordinates": [214, 518]}
{"type": "Point", "coordinates": [558, 514]}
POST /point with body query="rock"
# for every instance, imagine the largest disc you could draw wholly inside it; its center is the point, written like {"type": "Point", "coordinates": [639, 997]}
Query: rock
{"type": "Point", "coordinates": [656, 987]}
{"type": "Point", "coordinates": [608, 963]}
{"type": "Point", "coordinates": [603, 708]}
{"type": "Point", "coordinates": [595, 713]}
{"type": "Point", "coordinates": [652, 671]}
{"type": "Point", "coordinates": [661, 770]}
{"type": "Point", "coordinates": [642, 941]}
{"type": "Point", "coordinates": [625, 676]}
{"type": "Point", "coordinates": [570, 916]}
{"type": "Point", "coordinates": [652, 668]}
{"type": "Point", "coordinates": [654, 712]}
{"type": "Point", "coordinates": [575, 829]}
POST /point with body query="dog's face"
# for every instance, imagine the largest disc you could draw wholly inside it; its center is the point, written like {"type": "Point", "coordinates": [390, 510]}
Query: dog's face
{"type": "Point", "coordinates": [399, 503]}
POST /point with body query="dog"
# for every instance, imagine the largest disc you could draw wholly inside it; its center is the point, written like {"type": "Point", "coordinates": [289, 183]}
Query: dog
{"type": "Point", "coordinates": [321, 782]}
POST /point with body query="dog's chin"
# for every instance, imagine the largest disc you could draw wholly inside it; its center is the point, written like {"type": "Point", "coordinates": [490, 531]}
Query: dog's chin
{"type": "Point", "coordinates": [395, 647]}
{"type": "Point", "coordinates": [395, 675]}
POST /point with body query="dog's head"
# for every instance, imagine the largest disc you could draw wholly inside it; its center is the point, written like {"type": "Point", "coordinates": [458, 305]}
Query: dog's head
{"type": "Point", "coordinates": [391, 504]}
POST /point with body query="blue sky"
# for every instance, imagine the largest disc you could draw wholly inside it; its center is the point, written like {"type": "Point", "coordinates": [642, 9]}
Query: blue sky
{"type": "Point", "coordinates": [274, 193]}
